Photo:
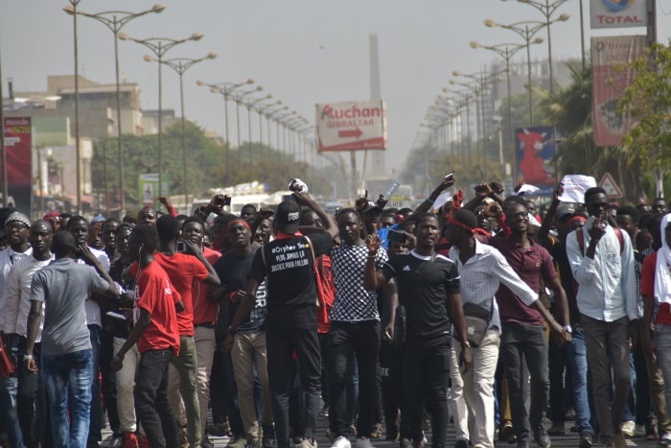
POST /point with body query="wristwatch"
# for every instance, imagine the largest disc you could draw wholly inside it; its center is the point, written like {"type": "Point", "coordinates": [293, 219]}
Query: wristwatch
{"type": "Point", "coordinates": [466, 344]}
{"type": "Point", "coordinates": [568, 329]}
{"type": "Point", "coordinates": [26, 357]}
{"type": "Point", "coordinates": [232, 330]}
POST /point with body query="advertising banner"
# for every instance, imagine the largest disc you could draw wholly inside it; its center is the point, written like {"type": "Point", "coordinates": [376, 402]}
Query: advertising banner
{"type": "Point", "coordinates": [351, 126]}
{"type": "Point", "coordinates": [618, 13]}
{"type": "Point", "coordinates": [148, 188]}
{"type": "Point", "coordinates": [536, 149]}
{"type": "Point", "coordinates": [609, 83]}
{"type": "Point", "coordinates": [18, 133]}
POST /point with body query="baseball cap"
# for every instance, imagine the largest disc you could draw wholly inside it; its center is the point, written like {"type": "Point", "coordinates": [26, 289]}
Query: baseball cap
{"type": "Point", "coordinates": [287, 216]}
{"type": "Point", "coordinates": [564, 209]}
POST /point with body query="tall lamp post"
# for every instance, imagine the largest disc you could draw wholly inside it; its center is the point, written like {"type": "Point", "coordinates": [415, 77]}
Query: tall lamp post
{"type": "Point", "coordinates": [237, 98]}
{"type": "Point", "coordinates": [527, 29]}
{"type": "Point", "coordinates": [506, 51]}
{"type": "Point", "coordinates": [225, 89]}
{"type": "Point", "coordinates": [250, 105]}
{"type": "Point", "coordinates": [261, 111]}
{"type": "Point", "coordinates": [78, 156]}
{"type": "Point", "coordinates": [160, 46]}
{"type": "Point", "coordinates": [547, 8]}
{"type": "Point", "coordinates": [180, 66]}
{"type": "Point", "coordinates": [115, 21]}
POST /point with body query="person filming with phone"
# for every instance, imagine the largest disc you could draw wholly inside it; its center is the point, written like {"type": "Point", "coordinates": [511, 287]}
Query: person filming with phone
{"type": "Point", "coordinates": [602, 263]}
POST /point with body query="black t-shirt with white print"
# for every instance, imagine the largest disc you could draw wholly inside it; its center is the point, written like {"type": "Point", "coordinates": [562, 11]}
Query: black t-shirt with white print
{"type": "Point", "coordinates": [290, 280]}
{"type": "Point", "coordinates": [424, 286]}
{"type": "Point", "coordinates": [233, 270]}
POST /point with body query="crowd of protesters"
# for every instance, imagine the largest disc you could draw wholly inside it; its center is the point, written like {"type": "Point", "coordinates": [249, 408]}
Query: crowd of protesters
{"type": "Point", "coordinates": [392, 323]}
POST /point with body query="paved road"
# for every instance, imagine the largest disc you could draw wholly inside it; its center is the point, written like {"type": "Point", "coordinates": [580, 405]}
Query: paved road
{"type": "Point", "coordinates": [568, 440]}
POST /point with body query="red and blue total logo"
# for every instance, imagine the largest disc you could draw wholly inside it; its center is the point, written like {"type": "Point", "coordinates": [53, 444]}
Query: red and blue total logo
{"type": "Point", "coordinates": [617, 5]}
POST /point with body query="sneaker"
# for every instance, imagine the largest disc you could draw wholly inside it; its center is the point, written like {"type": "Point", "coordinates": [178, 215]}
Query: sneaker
{"type": "Point", "coordinates": [461, 443]}
{"type": "Point", "coordinates": [254, 444]}
{"type": "Point", "coordinates": [268, 442]}
{"type": "Point", "coordinates": [404, 443]}
{"type": "Point", "coordinates": [376, 432]}
{"type": "Point", "coordinates": [352, 430]}
{"type": "Point", "coordinates": [522, 444]}
{"type": "Point", "coordinates": [628, 429]}
{"type": "Point", "coordinates": [665, 440]}
{"type": "Point", "coordinates": [129, 440]}
{"type": "Point", "coordinates": [557, 429]}
{"type": "Point", "coordinates": [506, 433]}
{"type": "Point", "coordinates": [618, 440]}
{"type": "Point", "coordinates": [205, 442]}
{"type": "Point", "coordinates": [364, 442]}
{"type": "Point", "coordinates": [651, 431]}
{"type": "Point", "coordinates": [217, 430]}
{"type": "Point", "coordinates": [541, 437]}
{"type": "Point", "coordinates": [308, 443]}
{"type": "Point", "coordinates": [586, 439]}
{"type": "Point", "coordinates": [237, 442]}
{"type": "Point", "coordinates": [341, 442]}
{"type": "Point", "coordinates": [142, 441]}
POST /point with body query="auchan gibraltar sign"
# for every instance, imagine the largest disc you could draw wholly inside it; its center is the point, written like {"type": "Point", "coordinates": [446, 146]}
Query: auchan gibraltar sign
{"type": "Point", "coordinates": [351, 126]}
{"type": "Point", "coordinates": [618, 13]}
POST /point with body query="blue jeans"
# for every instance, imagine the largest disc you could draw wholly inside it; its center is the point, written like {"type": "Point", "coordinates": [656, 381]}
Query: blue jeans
{"type": "Point", "coordinates": [577, 359]}
{"type": "Point", "coordinates": [9, 416]}
{"type": "Point", "coordinates": [68, 381]}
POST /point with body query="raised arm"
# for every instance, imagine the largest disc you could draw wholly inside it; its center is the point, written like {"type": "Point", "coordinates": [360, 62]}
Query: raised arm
{"type": "Point", "coordinates": [372, 278]}
{"type": "Point", "coordinates": [330, 225]}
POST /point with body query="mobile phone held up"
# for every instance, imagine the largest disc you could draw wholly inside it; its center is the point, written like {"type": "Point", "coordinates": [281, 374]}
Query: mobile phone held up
{"type": "Point", "coordinates": [181, 247]}
{"type": "Point", "coordinates": [396, 236]}
{"type": "Point", "coordinates": [450, 176]}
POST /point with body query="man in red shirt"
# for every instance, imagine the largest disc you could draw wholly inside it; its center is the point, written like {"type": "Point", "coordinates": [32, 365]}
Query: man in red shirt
{"type": "Point", "coordinates": [157, 340]}
{"type": "Point", "coordinates": [184, 270]}
{"type": "Point", "coordinates": [204, 316]}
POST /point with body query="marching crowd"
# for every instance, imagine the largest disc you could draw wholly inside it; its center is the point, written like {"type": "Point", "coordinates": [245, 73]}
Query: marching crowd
{"type": "Point", "coordinates": [486, 313]}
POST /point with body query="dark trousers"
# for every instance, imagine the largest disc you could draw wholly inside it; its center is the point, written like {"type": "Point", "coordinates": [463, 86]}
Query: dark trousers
{"type": "Point", "coordinates": [151, 399]}
{"type": "Point", "coordinates": [425, 377]}
{"type": "Point", "coordinates": [525, 342]}
{"type": "Point", "coordinates": [280, 345]}
{"type": "Point", "coordinates": [644, 414]}
{"type": "Point", "coordinates": [31, 399]}
{"type": "Point", "coordinates": [560, 382]}
{"type": "Point", "coordinates": [361, 339]}
{"type": "Point", "coordinates": [608, 350]}
{"type": "Point", "coordinates": [95, 427]}
{"type": "Point", "coordinates": [108, 379]}
{"type": "Point", "coordinates": [392, 391]}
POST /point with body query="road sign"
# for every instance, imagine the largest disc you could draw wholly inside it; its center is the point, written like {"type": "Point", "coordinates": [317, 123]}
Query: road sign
{"type": "Point", "coordinates": [351, 126]}
{"type": "Point", "coordinates": [612, 190]}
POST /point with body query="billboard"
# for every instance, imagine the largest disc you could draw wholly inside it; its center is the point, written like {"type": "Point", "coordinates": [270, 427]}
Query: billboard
{"type": "Point", "coordinates": [608, 83]}
{"type": "Point", "coordinates": [18, 142]}
{"type": "Point", "coordinates": [148, 188]}
{"type": "Point", "coordinates": [536, 149]}
{"type": "Point", "coordinates": [618, 13]}
{"type": "Point", "coordinates": [351, 126]}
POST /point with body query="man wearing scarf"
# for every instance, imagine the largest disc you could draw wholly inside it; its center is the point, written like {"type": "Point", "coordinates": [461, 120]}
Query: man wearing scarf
{"type": "Point", "coordinates": [656, 292]}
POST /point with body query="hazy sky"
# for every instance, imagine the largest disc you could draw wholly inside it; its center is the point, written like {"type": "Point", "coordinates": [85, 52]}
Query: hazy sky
{"type": "Point", "coordinates": [301, 51]}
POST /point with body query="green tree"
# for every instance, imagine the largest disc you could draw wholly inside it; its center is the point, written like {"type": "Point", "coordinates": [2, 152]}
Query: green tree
{"type": "Point", "coordinates": [648, 101]}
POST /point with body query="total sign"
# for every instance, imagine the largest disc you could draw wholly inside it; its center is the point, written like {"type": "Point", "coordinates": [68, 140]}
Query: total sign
{"type": "Point", "coordinates": [351, 126]}
{"type": "Point", "coordinates": [618, 13]}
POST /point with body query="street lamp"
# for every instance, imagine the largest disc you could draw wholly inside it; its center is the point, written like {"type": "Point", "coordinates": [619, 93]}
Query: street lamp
{"type": "Point", "coordinates": [225, 89]}
{"type": "Point", "coordinates": [260, 110]}
{"type": "Point", "coordinates": [160, 46]}
{"type": "Point", "coordinates": [73, 5]}
{"type": "Point", "coordinates": [180, 66]}
{"type": "Point", "coordinates": [547, 9]}
{"type": "Point", "coordinates": [506, 51]}
{"type": "Point", "coordinates": [237, 98]}
{"type": "Point", "coordinates": [527, 29]}
{"type": "Point", "coordinates": [249, 105]}
{"type": "Point", "coordinates": [115, 21]}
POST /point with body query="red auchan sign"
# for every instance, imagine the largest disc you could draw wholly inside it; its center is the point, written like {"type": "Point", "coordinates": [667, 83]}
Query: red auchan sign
{"type": "Point", "coordinates": [618, 13]}
{"type": "Point", "coordinates": [351, 126]}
